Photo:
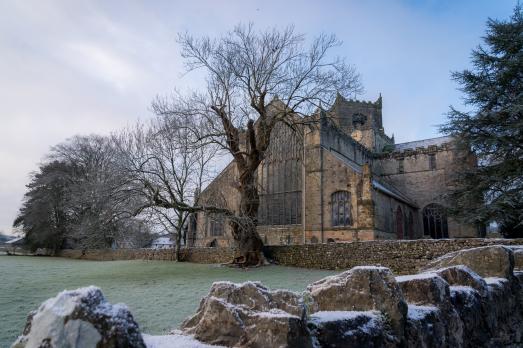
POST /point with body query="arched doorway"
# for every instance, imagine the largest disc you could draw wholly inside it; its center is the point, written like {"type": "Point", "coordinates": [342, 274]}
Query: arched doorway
{"type": "Point", "coordinates": [435, 221]}
{"type": "Point", "coordinates": [399, 223]}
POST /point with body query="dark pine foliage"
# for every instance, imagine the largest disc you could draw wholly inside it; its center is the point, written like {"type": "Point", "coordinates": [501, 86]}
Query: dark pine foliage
{"type": "Point", "coordinates": [43, 216]}
{"type": "Point", "coordinates": [493, 129]}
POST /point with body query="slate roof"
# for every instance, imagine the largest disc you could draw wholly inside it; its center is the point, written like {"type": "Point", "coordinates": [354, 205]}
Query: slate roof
{"type": "Point", "coordinates": [392, 191]}
{"type": "Point", "coordinates": [423, 143]}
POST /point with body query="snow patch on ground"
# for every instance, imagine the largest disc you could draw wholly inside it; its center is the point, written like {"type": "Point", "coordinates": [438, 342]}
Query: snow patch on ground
{"type": "Point", "coordinates": [174, 340]}
{"type": "Point", "coordinates": [420, 312]}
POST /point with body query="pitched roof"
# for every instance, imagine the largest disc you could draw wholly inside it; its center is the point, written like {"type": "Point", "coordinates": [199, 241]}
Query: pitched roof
{"type": "Point", "coordinates": [377, 183]}
{"type": "Point", "coordinates": [392, 191]}
{"type": "Point", "coordinates": [423, 143]}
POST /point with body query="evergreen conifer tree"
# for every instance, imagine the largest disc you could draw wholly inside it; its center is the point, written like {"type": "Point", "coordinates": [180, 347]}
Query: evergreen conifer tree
{"type": "Point", "coordinates": [492, 128]}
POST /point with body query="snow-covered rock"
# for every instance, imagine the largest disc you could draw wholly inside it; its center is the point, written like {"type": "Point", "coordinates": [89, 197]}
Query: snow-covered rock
{"type": "Point", "coordinates": [424, 288]}
{"type": "Point", "coordinates": [518, 258]}
{"type": "Point", "coordinates": [351, 329]}
{"type": "Point", "coordinates": [488, 261]}
{"type": "Point", "coordinates": [362, 289]}
{"type": "Point", "coordinates": [462, 275]}
{"type": "Point", "coordinates": [429, 289]}
{"type": "Point", "coordinates": [249, 315]}
{"type": "Point", "coordinates": [425, 327]}
{"type": "Point", "coordinates": [174, 340]}
{"type": "Point", "coordinates": [80, 318]}
{"type": "Point", "coordinates": [490, 308]}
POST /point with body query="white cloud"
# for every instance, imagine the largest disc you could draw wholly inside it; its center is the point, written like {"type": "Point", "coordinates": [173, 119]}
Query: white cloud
{"type": "Point", "coordinates": [101, 63]}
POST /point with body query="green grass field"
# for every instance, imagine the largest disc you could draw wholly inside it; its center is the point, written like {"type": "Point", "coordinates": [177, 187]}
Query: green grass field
{"type": "Point", "coordinates": [160, 294]}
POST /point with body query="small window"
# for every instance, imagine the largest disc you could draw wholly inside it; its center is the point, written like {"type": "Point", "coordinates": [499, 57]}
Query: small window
{"type": "Point", "coordinates": [341, 212]}
{"type": "Point", "coordinates": [401, 167]}
{"type": "Point", "coordinates": [432, 161]}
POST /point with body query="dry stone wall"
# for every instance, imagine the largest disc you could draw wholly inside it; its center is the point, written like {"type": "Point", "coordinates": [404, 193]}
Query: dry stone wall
{"type": "Point", "coordinates": [402, 257]}
{"type": "Point", "coordinates": [197, 255]}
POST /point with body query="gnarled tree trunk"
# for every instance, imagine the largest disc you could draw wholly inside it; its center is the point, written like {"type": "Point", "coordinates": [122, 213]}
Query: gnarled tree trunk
{"type": "Point", "coordinates": [244, 230]}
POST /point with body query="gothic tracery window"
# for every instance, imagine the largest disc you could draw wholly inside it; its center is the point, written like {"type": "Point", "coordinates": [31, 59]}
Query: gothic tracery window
{"type": "Point", "coordinates": [435, 221]}
{"type": "Point", "coordinates": [280, 180]}
{"type": "Point", "coordinates": [341, 212]}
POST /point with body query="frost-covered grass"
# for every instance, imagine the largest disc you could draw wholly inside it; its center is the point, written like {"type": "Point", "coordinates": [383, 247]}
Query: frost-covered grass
{"type": "Point", "coordinates": [160, 294]}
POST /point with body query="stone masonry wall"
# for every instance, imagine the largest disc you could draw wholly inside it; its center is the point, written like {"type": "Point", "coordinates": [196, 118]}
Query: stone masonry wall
{"type": "Point", "coordinates": [402, 257]}
{"type": "Point", "coordinates": [425, 185]}
{"type": "Point", "coordinates": [196, 255]}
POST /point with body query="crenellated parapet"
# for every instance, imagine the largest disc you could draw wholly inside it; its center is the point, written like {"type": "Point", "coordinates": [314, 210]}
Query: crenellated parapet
{"type": "Point", "coordinates": [414, 148]}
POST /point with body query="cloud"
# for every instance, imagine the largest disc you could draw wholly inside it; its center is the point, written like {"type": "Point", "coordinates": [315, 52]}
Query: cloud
{"type": "Point", "coordinates": [101, 63]}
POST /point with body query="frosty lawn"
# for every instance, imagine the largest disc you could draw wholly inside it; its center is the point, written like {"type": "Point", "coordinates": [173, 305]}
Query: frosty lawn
{"type": "Point", "coordinates": [159, 294]}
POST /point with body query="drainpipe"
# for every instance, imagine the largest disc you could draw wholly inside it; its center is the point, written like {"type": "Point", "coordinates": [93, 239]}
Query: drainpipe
{"type": "Point", "coordinates": [304, 186]}
{"type": "Point", "coordinates": [321, 188]}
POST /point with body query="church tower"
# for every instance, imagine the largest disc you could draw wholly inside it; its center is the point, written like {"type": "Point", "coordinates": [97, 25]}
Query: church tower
{"type": "Point", "coordinates": [362, 120]}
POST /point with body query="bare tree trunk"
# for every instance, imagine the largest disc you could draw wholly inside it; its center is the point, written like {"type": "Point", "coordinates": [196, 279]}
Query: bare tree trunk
{"type": "Point", "coordinates": [244, 232]}
{"type": "Point", "coordinates": [177, 242]}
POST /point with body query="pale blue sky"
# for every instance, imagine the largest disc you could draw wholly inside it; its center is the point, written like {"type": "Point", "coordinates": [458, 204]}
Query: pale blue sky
{"type": "Point", "coordinates": [78, 67]}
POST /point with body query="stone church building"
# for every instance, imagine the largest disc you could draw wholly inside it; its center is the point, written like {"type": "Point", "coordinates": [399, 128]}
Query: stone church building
{"type": "Point", "coordinates": [340, 179]}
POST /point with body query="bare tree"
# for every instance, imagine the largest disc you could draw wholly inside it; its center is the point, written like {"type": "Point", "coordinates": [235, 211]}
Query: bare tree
{"type": "Point", "coordinates": [98, 202]}
{"type": "Point", "coordinates": [254, 80]}
{"type": "Point", "coordinates": [78, 199]}
{"type": "Point", "coordinates": [166, 170]}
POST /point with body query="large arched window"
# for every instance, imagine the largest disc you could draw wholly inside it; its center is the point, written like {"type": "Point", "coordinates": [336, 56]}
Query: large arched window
{"type": "Point", "coordinates": [399, 223]}
{"type": "Point", "coordinates": [435, 221]}
{"type": "Point", "coordinates": [341, 214]}
{"type": "Point", "coordinates": [280, 179]}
